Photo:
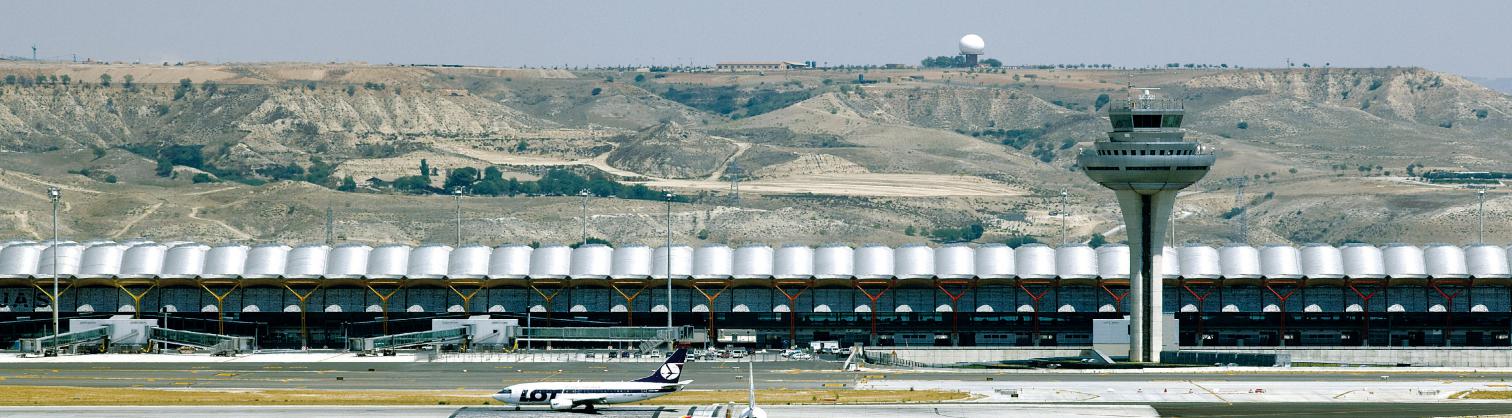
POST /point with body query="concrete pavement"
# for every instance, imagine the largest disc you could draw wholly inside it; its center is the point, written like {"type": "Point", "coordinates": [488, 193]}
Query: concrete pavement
{"type": "Point", "coordinates": [870, 411]}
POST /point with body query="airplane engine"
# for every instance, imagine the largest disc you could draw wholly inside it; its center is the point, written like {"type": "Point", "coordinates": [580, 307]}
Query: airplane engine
{"type": "Point", "coordinates": [562, 404]}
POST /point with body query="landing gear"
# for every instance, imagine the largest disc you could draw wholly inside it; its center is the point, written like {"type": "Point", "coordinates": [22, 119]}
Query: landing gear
{"type": "Point", "coordinates": [588, 408]}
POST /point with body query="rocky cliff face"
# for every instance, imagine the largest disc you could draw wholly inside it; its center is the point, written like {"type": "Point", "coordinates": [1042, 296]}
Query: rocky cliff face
{"type": "Point", "coordinates": [670, 150]}
{"type": "Point", "coordinates": [954, 108]}
{"type": "Point", "coordinates": [1410, 94]}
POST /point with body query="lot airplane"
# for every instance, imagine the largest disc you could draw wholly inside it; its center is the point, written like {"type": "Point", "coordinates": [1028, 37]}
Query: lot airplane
{"type": "Point", "coordinates": [565, 396]}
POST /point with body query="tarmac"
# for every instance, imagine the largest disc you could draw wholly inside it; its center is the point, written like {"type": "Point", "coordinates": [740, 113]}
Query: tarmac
{"type": "Point", "coordinates": [1191, 410]}
{"type": "Point", "coordinates": [1195, 392]}
{"type": "Point", "coordinates": [286, 371]}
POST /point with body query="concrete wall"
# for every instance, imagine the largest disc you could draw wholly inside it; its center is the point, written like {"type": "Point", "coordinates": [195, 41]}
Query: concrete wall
{"type": "Point", "coordinates": [1422, 357]}
{"type": "Point", "coordinates": [1416, 356]}
{"type": "Point", "coordinates": [954, 355]}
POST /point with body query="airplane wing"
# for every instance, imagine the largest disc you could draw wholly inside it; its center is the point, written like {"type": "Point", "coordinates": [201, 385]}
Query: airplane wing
{"type": "Point", "coordinates": [569, 402]}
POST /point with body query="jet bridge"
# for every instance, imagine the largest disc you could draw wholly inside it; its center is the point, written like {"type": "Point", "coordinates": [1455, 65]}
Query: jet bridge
{"type": "Point", "coordinates": [408, 339]}
{"type": "Point", "coordinates": [214, 343]}
{"type": "Point", "coordinates": [123, 333]}
{"type": "Point", "coordinates": [64, 340]}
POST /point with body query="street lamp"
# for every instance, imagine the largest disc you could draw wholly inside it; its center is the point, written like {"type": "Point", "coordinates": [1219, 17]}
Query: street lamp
{"type": "Point", "coordinates": [55, 194]}
{"type": "Point", "coordinates": [584, 194]}
{"type": "Point", "coordinates": [1063, 214]}
{"type": "Point", "coordinates": [669, 265]}
{"type": "Point", "coordinates": [457, 198]}
{"type": "Point", "coordinates": [1480, 233]}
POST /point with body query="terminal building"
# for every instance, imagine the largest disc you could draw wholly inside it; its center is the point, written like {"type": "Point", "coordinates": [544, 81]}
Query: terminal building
{"type": "Point", "coordinates": [913, 295]}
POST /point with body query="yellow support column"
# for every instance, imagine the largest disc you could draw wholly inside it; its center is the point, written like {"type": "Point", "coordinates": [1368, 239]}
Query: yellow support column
{"type": "Point", "coordinates": [383, 297]}
{"type": "Point", "coordinates": [722, 285]}
{"type": "Point", "coordinates": [629, 297]}
{"type": "Point", "coordinates": [457, 286]}
{"type": "Point", "coordinates": [136, 298]}
{"type": "Point", "coordinates": [220, 299]}
{"type": "Point", "coordinates": [43, 285]}
{"type": "Point", "coordinates": [304, 305]}
{"type": "Point", "coordinates": [536, 285]}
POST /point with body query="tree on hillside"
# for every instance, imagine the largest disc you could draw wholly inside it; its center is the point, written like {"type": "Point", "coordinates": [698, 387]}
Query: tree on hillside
{"type": "Point", "coordinates": [184, 87]}
{"type": "Point", "coordinates": [461, 178]}
{"type": "Point", "coordinates": [65, 79]}
{"type": "Point", "coordinates": [1097, 240]}
{"type": "Point", "coordinates": [164, 168]}
{"type": "Point", "coordinates": [992, 62]}
{"type": "Point", "coordinates": [347, 184]}
{"type": "Point", "coordinates": [1020, 240]}
{"type": "Point", "coordinates": [412, 183]}
{"type": "Point", "coordinates": [1102, 100]}
{"type": "Point", "coordinates": [424, 168]}
{"type": "Point", "coordinates": [128, 83]}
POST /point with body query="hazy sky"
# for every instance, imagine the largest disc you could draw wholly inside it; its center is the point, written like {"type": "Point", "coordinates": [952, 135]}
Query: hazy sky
{"type": "Point", "coordinates": [1464, 37]}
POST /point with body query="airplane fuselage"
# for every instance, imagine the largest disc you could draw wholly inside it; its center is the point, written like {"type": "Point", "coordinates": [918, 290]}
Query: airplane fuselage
{"type": "Point", "coordinates": [599, 393]}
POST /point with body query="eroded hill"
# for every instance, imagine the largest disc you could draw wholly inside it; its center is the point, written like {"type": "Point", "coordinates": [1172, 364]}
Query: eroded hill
{"type": "Point", "coordinates": [821, 158]}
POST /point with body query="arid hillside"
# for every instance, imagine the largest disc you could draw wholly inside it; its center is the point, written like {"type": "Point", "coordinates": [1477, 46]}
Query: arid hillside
{"type": "Point", "coordinates": [263, 151]}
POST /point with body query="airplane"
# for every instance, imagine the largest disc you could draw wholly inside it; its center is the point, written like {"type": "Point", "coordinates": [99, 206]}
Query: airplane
{"type": "Point", "coordinates": [727, 410]}
{"type": "Point", "coordinates": [565, 396]}
{"type": "Point", "coordinates": [752, 411]}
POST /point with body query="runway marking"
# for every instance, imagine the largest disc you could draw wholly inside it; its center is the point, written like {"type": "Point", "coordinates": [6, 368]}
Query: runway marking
{"type": "Point", "coordinates": [558, 372]}
{"type": "Point", "coordinates": [1210, 392]}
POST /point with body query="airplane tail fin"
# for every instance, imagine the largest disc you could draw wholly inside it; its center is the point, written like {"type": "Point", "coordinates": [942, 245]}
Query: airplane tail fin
{"type": "Point", "coordinates": [669, 371]}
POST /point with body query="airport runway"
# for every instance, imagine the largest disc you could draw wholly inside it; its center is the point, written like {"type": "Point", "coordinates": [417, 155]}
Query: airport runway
{"type": "Point", "coordinates": [870, 411]}
{"type": "Point", "coordinates": [1202, 410]}
{"type": "Point", "coordinates": [406, 376]}
{"type": "Point", "coordinates": [707, 375]}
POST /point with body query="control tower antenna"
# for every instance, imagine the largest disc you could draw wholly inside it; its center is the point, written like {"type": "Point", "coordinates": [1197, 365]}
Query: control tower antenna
{"type": "Point", "coordinates": [1146, 160]}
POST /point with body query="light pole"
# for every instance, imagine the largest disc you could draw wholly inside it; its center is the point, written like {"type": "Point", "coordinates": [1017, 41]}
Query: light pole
{"type": "Point", "coordinates": [1480, 233]}
{"type": "Point", "coordinates": [584, 194]}
{"type": "Point", "coordinates": [457, 198]}
{"type": "Point", "coordinates": [1063, 218]}
{"type": "Point", "coordinates": [669, 266]}
{"type": "Point", "coordinates": [55, 194]}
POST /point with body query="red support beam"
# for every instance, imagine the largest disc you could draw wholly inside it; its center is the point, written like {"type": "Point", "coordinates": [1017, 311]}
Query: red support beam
{"type": "Point", "coordinates": [881, 287]}
{"type": "Point", "coordinates": [1036, 297]}
{"type": "Point", "coordinates": [1354, 286]}
{"type": "Point", "coordinates": [1281, 338]}
{"type": "Point", "coordinates": [945, 286]}
{"type": "Point", "coordinates": [1118, 297]}
{"type": "Point", "coordinates": [1201, 302]}
{"type": "Point", "coordinates": [792, 298]}
{"type": "Point", "coordinates": [1461, 286]}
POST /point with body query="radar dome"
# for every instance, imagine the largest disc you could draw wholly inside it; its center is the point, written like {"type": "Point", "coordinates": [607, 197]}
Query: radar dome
{"type": "Point", "coordinates": [971, 44]}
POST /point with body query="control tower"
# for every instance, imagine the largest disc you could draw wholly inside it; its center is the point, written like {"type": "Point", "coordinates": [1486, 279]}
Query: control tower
{"type": "Point", "coordinates": [1146, 160]}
